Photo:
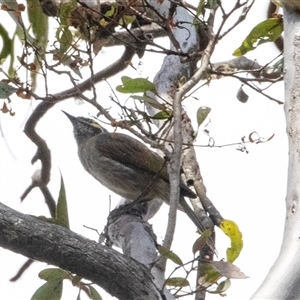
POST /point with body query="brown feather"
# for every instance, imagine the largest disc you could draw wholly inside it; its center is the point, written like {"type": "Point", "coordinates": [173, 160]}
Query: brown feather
{"type": "Point", "coordinates": [131, 152]}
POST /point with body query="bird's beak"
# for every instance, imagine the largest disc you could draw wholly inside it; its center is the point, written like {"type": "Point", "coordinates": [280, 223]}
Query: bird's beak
{"type": "Point", "coordinates": [71, 118]}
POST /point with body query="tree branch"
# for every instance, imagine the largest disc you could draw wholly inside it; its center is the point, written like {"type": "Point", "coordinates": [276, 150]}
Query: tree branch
{"type": "Point", "coordinates": [120, 276]}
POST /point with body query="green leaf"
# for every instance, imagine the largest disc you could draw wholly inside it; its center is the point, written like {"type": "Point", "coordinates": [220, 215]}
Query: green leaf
{"type": "Point", "coordinates": [137, 85]}
{"type": "Point", "coordinates": [53, 273]}
{"type": "Point", "coordinates": [62, 206]}
{"type": "Point", "coordinates": [64, 37]}
{"type": "Point", "coordinates": [200, 8]}
{"type": "Point", "coordinates": [201, 241]}
{"type": "Point", "coordinates": [126, 20]}
{"type": "Point", "coordinates": [16, 15]}
{"type": "Point", "coordinates": [177, 281]}
{"type": "Point", "coordinates": [202, 113]}
{"type": "Point", "coordinates": [51, 220]}
{"type": "Point", "coordinates": [162, 115]}
{"type": "Point", "coordinates": [208, 274]}
{"type": "Point", "coordinates": [124, 79]}
{"type": "Point", "coordinates": [231, 229]}
{"type": "Point", "coordinates": [111, 11]}
{"type": "Point", "coordinates": [277, 67]}
{"type": "Point", "coordinates": [63, 33]}
{"type": "Point", "coordinates": [94, 294]}
{"type": "Point", "coordinates": [51, 290]}
{"type": "Point", "coordinates": [65, 10]}
{"type": "Point", "coordinates": [7, 43]}
{"type": "Point", "coordinates": [7, 49]}
{"type": "Point", "coordinates": [109, 14]}
{"type": "Point", "coordinates": [6, 90]}
{"type": "Point", "coordinates": [212, 4]}
{"type": "Point", "coordinates": [267, 31]}
{"type": "Point", "coordinates": [38, 20]}
{"type": "Point", "coordinates": [222, 287]}
{"type": "Point", "coordinates": [169, 254]}
{"type": "Point", "coordinates": [39, 24]}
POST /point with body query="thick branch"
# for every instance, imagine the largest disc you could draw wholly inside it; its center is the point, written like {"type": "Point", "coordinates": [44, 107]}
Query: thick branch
{"type": "Point", "coordinates": [243, 64]}
{"type": "Point", "coordinates": [150, 32]}
{"type": "Point", "coordinates": [120, 276]}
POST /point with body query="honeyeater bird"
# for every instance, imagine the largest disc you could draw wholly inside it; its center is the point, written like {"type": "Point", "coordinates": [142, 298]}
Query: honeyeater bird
{"type": "Point", "coordinates": [125, 166]}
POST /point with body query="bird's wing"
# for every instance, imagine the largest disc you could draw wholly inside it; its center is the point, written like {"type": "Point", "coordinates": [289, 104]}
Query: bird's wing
{"type": "Point", "coordinates": [129, 151]}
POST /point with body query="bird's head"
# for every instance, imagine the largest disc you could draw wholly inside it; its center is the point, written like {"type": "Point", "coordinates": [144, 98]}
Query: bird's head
{"type": "Point", "coordinates": [84, 128]}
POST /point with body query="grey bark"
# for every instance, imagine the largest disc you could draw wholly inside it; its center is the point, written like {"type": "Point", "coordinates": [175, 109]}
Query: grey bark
{"type": "Point", "coordinates": [183, 38]}
{"type": "Point", "coordinates": [119, 275]}
{"type": "Point", "coordinates": [283, 279]}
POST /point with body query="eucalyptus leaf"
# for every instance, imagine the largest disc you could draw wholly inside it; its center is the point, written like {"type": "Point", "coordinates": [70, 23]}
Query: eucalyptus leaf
{"type": "Point", "coordinates": [177, 281]}
{"type": "Point", "coordinates": [202, 114]}
{"type": "Point", "coordinates": [267, 31]}
{"type": "Point", "coordinates": [201, 241]}
{"type": "Point", "coordinates": [62, 207]}
{"type": "Point", "coordinates": [241, 95]}
{"type": "Point", "coordinates": [162, 115]}
{"type": "Point", "coordinates": [7, 43]}
{"type": "Point", "coordinates": [169, 254]}
{"type": "Point", "coordinates": [53, 273]}
{"type": "Point", "coordinates": [6, 90]}
{"type": "Point", "coordinates": [94, 294]}
{"type": "Point", "coordinates": [136, 85]}
{"type": "Point", "coordinates": [222, 287]}
{"type": "Point", "coordinates": [51, 290]}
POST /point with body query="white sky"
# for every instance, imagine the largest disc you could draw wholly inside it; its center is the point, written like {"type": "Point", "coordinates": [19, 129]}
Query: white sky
{"type": "Point", "coordinates": [247, 188]}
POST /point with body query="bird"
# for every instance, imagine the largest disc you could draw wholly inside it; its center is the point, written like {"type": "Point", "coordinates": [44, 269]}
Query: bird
{"type": "Point", "coordinates": [125, 165]}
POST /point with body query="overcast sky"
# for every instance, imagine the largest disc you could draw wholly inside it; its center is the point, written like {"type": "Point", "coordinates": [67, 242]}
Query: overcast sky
{"type": "Point", "coordinates": [247, 188]}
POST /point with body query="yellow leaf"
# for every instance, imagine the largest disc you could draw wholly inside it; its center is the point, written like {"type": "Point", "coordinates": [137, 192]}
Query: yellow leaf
{"type": "Point", "coordinates": [103, 23]}
{"type": "Point", "coordinates": [231, 229]}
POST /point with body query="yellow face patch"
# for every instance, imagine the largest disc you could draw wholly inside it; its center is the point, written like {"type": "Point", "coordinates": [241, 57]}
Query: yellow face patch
{"type": "Point", "coordinates": [95, 124]}
{"type": "Point", "coordinates": [92, 123]}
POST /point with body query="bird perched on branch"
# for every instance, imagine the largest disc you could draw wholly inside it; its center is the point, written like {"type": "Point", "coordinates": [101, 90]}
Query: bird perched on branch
{"type": "Point", "coordinates": [126, 166]}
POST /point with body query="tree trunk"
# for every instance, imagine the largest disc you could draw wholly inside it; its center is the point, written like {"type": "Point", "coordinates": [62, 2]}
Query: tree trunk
{"type": "Point", "coordinates": [283, 280]}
